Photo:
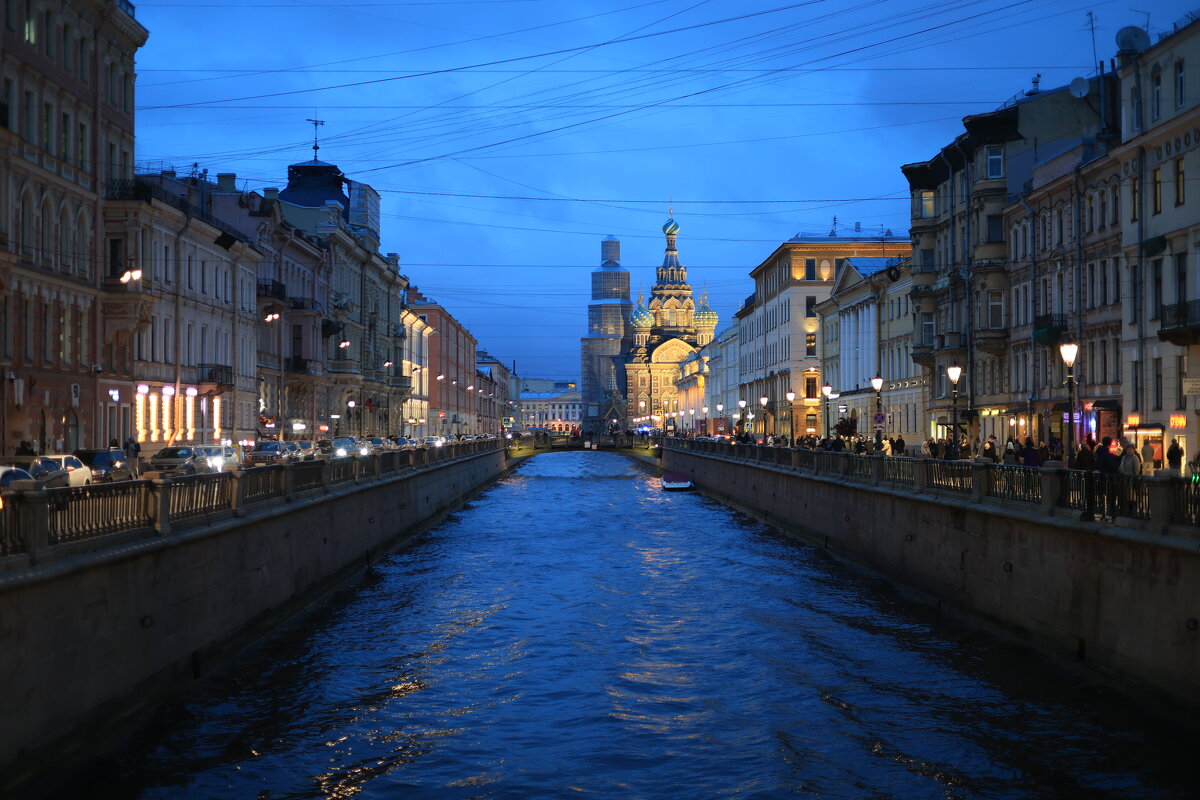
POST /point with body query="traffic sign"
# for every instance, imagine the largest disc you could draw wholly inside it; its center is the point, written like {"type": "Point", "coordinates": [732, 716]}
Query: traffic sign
{"type": "Point", "coordinates": [880, 420]}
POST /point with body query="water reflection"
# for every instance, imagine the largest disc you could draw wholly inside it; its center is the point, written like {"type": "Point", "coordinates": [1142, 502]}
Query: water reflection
{"type": "Point", "coordinates": [578, 631]}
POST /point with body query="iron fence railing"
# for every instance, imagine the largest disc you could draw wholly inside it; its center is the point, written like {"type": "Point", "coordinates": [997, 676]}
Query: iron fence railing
{"type": "Point", "coordinates": [72, 514]}
{"type": "Point", "coordinates": [192, 496]}
{"type": "Point", "coordinates": [860, 467]}
{"type": "Point", "coordinates": [85, 512]}
{"type": "Point", "coordinates": [899, 472]}
{"type": "Point", "coordinates": [1187, 502]}
{"type": "Point", "coordinates": [1014, 483]}
{"type": "Point", "coordinates": [950, 476]}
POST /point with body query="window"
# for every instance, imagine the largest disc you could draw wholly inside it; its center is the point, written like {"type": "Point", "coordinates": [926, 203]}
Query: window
{"type": "Point", "coordinates": [810, 344]}
{"type": "Point", "coordinates": [6, 105]}
{"type": "Point", "coordinates": [1103, 208]}
{"type": "Point", "coordinates": [995, 310]}
{"type": "Point", "coordinates": [1180, 374]}
{"type": "Point", "coordinates": [30, 24]}
{"type": "Point", "coordinates": [810, 269]}
{"type": "Point", "coordinates": [1133, 293]}
{"type": "Point", "coordinates": [1179, 84]}
{"type": "Point", "coordinates": [927, 204]}
{"type": "Point", "coordinates": [81, 144]}
{"type": "Point", "coordinates": [1133, 199]}
{"type": "Point", "coordinates": [1135, 104]}
{"type": "Point", "coordinates": [1181, 293]}
{"type": "Point", "coordinates": [47, 27]}
{"type": "Point", "coordinates": [1180, 185]}
{"type": "Point", "coordinates": [810, 306]}
{"type": "Point", "coordinates": [64, 137]}
{"type": "Point", "coordinates": [1156, 190]}
{"type": "Point", "coordinates": [810, 386]}
{"type": "Point", "coordinates": [995, 228]}
{"type": "Point", "coordinates": [65, 49]}
{"type": "Point", "coordinates": [1158, 383]}
{"type": "Point", "coordinates": [1156, 293]}
{"type": "Point", "coordinates": [995, 162]}
{"type": "Point", "coordinates": [1156, 93]}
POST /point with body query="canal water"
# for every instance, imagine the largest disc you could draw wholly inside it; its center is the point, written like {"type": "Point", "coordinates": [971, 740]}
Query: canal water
{"type": "Point", "coordinates": [576, 632]}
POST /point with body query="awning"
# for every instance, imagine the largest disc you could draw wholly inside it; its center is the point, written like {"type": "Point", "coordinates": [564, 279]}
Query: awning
{"type": "Point", "coordinates": [1061, 407]}
{"type": "Point", "coordinates": [1146, 426]}
{"type": "Point", "coordinates": [1106, 405]}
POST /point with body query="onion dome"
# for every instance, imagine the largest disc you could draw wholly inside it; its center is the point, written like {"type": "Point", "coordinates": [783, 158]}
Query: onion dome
{"type": "Point", "coordinates": [641, 316]}
{"type": "Point", "coordinates": [670, 227]}
{"type": "Point", "coordinates": [705, 316]}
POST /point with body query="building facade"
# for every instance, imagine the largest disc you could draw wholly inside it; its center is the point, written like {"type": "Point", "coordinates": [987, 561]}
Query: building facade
{"type": "Point", "coordinates": [66, 130]}
{"type": "Point", "coordinates": [453, 408]}
{"type": "Point", "coordinates": [780, 335]}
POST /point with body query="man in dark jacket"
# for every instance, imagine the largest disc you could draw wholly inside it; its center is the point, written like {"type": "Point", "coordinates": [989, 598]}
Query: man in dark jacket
{"type": "Point", "coordinates": [1109, 466]}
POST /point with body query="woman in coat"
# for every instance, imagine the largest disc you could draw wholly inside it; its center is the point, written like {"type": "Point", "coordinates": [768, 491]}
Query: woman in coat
{"type": "Point", "coordinates": [1030, 456]}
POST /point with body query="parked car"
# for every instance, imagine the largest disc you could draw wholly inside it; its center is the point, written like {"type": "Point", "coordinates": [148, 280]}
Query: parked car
{"type": "Point", "coordinates": [343, 447]}
{"type": "Point", "coordinates": [308, 450]}
{"type": "Point", "coordinates": [433, 441]}
{"type": "Point", "coordinates": [106, 465]}
{"type": "Point", "coordinates": [220, 458]}
{"type": "Point", "coordinates": [378, 444]}
{"type": "Point", "coordinates": [179, 461]}
{"type": "Point", "coordinates": [47, 470]}
{"type": "Point", "coordinates": [77, 472]}
{"type": "Point", "coordinates": [268, 452]}
{"type": "Point", "coordinates": [10, 474]}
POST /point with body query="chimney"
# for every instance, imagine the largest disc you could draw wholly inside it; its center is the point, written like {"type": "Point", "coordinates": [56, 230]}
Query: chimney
{"type": "Point", "coordinates": [271, 193]}
{"type": "Point", "coordinates": [226, 182]}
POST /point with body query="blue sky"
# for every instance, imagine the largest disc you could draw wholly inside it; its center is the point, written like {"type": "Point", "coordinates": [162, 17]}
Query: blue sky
{"type": "Point", "coordinates": [509, 137]}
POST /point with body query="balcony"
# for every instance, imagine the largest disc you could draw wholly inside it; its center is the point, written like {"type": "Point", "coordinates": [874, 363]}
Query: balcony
{"type": "Point", "coordinates": [1180, 323]}
{"type": "Point", "coordinates": [949, 343]}
{"type": "Point", "coordinates": [344, 366]}
{"type": "Point", "coordinates": [400, 382]}
{"type": "Point", "coordinates": [992, 340]}
{"type": "Point", "coordinates": [214, 378]}
{"type": "Point", "coordinates": [923, 354]}
{"type": "Point", "coordinates": [273, 289]}
{"type": "Point", "coordinates": [298, 365]}
{"type": "Point", "coordinates": [303, 304]}
{"type": "Point", "coordinates": [1048, 329]}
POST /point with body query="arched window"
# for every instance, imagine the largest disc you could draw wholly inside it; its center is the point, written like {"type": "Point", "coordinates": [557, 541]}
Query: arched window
{"type": "Point", "coordinates": [45, 235]}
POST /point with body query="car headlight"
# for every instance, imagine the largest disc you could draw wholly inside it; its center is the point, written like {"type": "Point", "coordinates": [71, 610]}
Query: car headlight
{"type": "Point", "coordinates": [363, 450]}
{"type": "Point", "coordinates": [438, 443]}
{"type": "Point", "coordinates": [341, 452]}
{"type": "Point", "coordinates": [216, 462]}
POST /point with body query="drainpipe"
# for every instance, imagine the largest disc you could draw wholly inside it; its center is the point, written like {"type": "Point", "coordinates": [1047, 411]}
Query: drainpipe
{"type": "Point", "coordinates": [1140, 309]}
{"type": "Point", "coordinates": [968, 338]}
{"type": "Point", "coordinates": [953, 248]}
{"type": "Point", "coordinates": [1078, 272]}
{"type": "Point", "coordinates": [175, 402]}
{"type": "Point", "coordinates": [1033, 351]}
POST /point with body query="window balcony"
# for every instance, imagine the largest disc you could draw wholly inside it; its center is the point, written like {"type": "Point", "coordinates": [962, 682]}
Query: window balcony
{"type": "Point", "coordinates": [1180, 323]}
{"type": "Point", "coordinates": [992, 340]}
{"type": "Point", "coordinates": [273, 289]}
{"type": "Point", "coordinates": [1048, 329]}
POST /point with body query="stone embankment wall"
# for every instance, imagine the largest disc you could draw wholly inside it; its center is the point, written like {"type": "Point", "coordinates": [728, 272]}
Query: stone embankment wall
{"type": "Point", "coordinates": [92, 642]}
{"type": "Point", "coordinates": [1119, 600]}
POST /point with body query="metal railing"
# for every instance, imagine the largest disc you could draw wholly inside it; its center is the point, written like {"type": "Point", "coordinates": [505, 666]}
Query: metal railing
{"type": "Point", "coordinates": [950, 476]}
{"type": "Point", "coordinates": [51, 517]}
{"type": "Point", "coordinates": [860, 467]}
{"type": "Point", "coordinates": [1014, 482]}
{"type": "Point", "coordinates": [200, 495]}
{"type": "Point", "coordinates": [899, 472]}
{"type": "Point", "coordinates": [83, 512]}
{"type": "Point", "coordinates": [1180, 315]}
{"type": "Point", "coordinates": [1187, 503]}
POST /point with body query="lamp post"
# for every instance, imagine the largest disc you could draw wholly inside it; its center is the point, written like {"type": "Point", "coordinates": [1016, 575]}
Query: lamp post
{"type": "Point", "coordinates": [877, 385]}
{"type": "Point", "coordinates": [742, 407]}
{"type": "Point", "coordinates": [827, 390]}
{"type": "Point", "coordinates": [791, 396]}
{"type": "Point", "coordinates": [763, 402]}
{"type": "Point", "coordinates": [1069, 351]}
{"type": "Point", "coordinates": [720, 409]}
{"type": "Point", "coordinates": [954, 373]}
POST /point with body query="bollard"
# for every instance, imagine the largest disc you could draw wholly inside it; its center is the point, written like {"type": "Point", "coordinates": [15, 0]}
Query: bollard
{"type": "Point", "coordinates": [921, 474]}
{"type": "Point", "coordinates": [1054, 483]}
{"type": "Point", "coordinates": [1161, 489]}
{"type": "Point", "coordinates": [239, 502]}
{"type": "Point", "coordinates": [877, 470]}
{"type": "Point", "coordinates": [34, 518]}
{"type": "Point", "coordinates": [160, 505]}
{"type": "Point", "coordinates": [979, 479]}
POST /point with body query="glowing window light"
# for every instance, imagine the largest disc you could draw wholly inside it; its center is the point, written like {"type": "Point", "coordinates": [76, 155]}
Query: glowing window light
{"type": "Point", "coordinates": [153, 417]}
{"type": "Point", "coordinates": [139, 415]}
{"type": "Point", "coordinates": [166, 413]}
{"type": "Point", "coordinates": [190, 411]}
{"type": "Point", "coordinates": [217, 419]}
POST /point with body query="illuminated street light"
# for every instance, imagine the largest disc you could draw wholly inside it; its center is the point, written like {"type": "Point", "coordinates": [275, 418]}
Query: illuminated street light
{"type": "Point", "coordinates": [954, 373]}
{"type": "Point", "coordinates": [877, 385]}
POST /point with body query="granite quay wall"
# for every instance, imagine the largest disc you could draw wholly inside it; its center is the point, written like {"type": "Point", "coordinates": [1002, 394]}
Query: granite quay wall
{"type": "Point", "coordinates": [97, 629]}
{"type": "Point", "coordinates": [1004, 545]}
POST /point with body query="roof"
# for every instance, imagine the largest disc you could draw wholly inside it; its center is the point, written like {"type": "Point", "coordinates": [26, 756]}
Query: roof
{"type": "Point", "coordinates": [869, 265]}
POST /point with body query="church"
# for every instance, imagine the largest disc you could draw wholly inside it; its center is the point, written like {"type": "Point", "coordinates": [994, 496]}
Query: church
{"type": "Point", "coordinates": [666, 331]}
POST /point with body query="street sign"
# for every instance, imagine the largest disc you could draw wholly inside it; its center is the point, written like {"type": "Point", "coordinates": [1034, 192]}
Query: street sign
{"type": "Point", "coordinates": [1191, 386]}
{"type": "Point", "coordinates": [880, 419]}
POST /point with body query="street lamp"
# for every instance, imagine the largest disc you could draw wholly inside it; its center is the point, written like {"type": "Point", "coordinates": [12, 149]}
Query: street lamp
{"type": "Point", "coordinates": [692, 419]}
{"type": "Point", "coordinates": [877, 385]}
{"type": "Point", "coordinates": [763, 402]}
{"type": "Point", "coordinates": [954, 373]}
{"type": "Point", "coordinates": [1069, 351]}
{"type": "Point", "coordinates": [791, 396]}
{"type": "Point", "coordinates": [827, 390]}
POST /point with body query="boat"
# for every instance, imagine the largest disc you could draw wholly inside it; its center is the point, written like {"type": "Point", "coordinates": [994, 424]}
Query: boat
{"type": "Point", "coordinates": [676, 482]}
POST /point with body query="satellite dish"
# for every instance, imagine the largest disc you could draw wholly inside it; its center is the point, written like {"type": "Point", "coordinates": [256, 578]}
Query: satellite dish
{"type": "Point", "coordinates": [1080, 87]}
{"type": "Point", "coordinates": [1133, 38]}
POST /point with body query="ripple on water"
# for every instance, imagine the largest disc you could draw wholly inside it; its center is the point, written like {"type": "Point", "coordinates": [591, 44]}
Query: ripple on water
{"type": "Point", "coordinates": [576, 631]}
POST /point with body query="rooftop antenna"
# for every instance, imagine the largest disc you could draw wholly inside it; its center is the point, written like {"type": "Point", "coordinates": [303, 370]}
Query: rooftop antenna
{"type": "Point", "coordinates": [316, 123]}
{"type": "Point", "coordinates": [1092, 26]}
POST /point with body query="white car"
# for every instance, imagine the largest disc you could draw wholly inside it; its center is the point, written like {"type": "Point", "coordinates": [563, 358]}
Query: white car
{"type": "Point", "coordinates": [78, 473]}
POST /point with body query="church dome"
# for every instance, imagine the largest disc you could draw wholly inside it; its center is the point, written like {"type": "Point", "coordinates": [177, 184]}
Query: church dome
{"type": "Point", "coordinates": [641, 316]}
{"type": "Point", "coordinates": [670, 226]}
{"type": "Point", "coordinates": [705, 316]}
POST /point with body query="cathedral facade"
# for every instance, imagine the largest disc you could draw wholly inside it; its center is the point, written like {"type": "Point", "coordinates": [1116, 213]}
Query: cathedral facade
{"type": "Point", "coordinates": [666, 332]}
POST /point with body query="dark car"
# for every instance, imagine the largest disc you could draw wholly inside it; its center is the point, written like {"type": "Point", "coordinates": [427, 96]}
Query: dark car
{"type": "Point", "coordinates": [10, 474]}
{"type": "Point", "coordinates": [179, 461]}
{"type": "Point", "coordinates": [47, 470]}
{"type": "Point", "coordinates": [269, 452]}
{"type": "Point", "coordinates": [106, 465]}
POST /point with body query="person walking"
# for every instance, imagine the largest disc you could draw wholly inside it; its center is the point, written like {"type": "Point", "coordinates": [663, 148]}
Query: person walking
{"type": "Point", "coordinates": [1108, 465]}
{"type": "Point", "coordinates": [1130, 468]}
{"type": "Point", "coordinates": [1147, 457]}
{"type": "Point", "coordinates": [133, 452]}
{"type": "Point", "coordinates": [1030, 456]}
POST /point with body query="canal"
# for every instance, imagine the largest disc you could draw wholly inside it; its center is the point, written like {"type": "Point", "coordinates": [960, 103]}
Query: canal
{"type": "Point", "coordinates": [574, 631]}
